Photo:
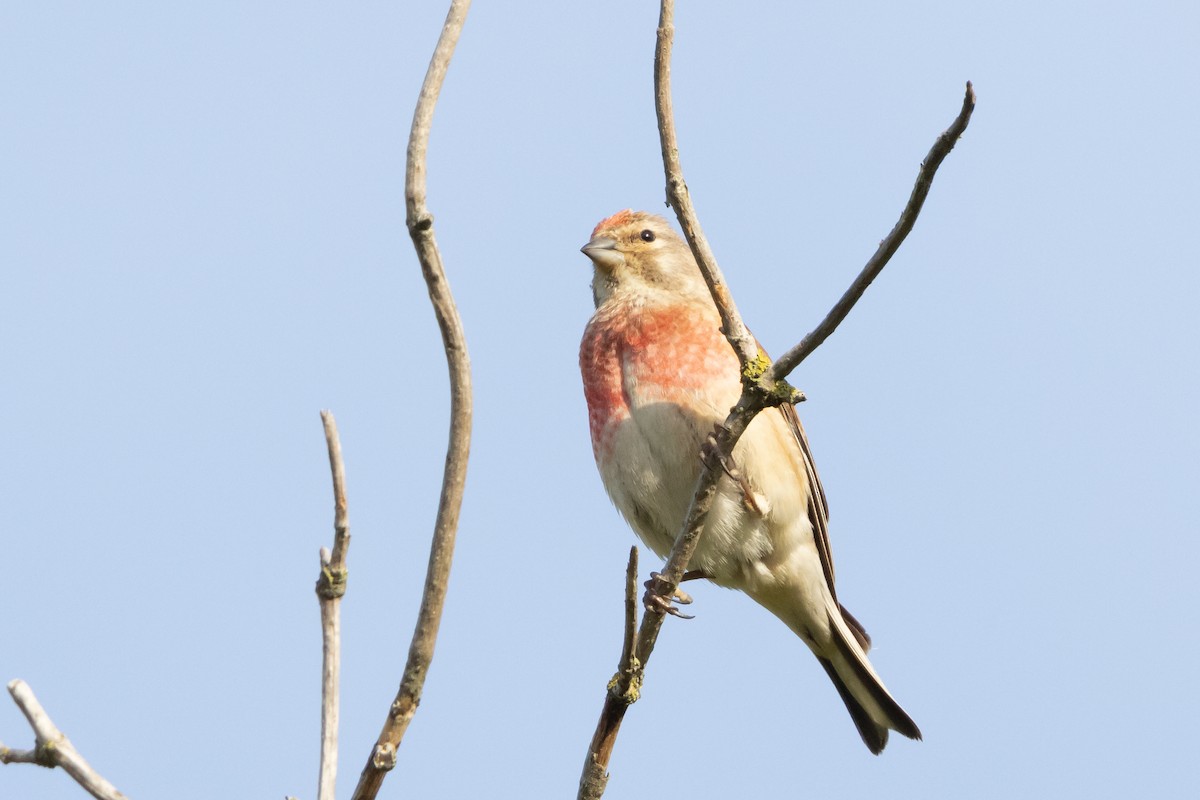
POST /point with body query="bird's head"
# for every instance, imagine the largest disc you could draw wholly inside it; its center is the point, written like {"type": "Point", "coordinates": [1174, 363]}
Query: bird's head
{"type": "Point", "coordinates": [639, 254]}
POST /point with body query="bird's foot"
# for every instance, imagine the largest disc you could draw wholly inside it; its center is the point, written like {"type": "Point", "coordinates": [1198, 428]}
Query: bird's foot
{"type": "Point", "coordinates": [657, 600]}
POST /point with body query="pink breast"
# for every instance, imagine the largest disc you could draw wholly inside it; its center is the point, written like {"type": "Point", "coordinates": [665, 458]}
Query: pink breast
{"type": "Point", "coordinates": [668, 354]}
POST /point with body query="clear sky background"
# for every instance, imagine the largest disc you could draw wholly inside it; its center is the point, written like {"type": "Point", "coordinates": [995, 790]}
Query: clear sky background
{"type": "Point", "coordinates": [202, 245]}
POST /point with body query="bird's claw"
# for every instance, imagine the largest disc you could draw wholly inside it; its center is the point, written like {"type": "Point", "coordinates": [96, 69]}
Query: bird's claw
{"type": "Point", "coordinates": [657, 601]}
{"type": "Point", "coordinates": [710, 451]}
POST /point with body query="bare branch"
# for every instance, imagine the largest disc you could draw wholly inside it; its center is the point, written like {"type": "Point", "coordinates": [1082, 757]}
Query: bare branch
{"type": "Point", "coordinates": [753, 361]}
{"type": "Point", "coordinates": [762, 385]}
{"type": "Point", "coordinates": [331, 586]}
{"type": "Point", "coordinates": [420, 229]}
{"type": "Point", "coordinates": [680, 199]}
{"type": "Point", "coordinates": [629, 649]}
{"type": "Point", "coordinates": [341, 524]}
{"type": "Point", "coordinates": [594, 776]}
{"type": "Point", "coordinates": [887, 248]}
{"type": "Point", "coordinates": [53, 748]}
{"type": "Point", "coordinates": [623, 691]}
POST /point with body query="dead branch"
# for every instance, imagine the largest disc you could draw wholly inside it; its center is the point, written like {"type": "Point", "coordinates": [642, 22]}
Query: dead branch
{"type": "Point", "coordinates": [623, 690]}
{"type": "Point", "coordinates": [331, 586]}
{"type": "Point", "coordinates": [629, 657]}
{"type": "Point", "coordinates": [681, 200]}
{"type": "Point", "coordinates": [52, 748]}
{"type": "Point", "coordinates": [420, 229]}
{"type": "Point", "coordinates": [887, 248]}
{"type": "Point", "coordinates": [764, 385]}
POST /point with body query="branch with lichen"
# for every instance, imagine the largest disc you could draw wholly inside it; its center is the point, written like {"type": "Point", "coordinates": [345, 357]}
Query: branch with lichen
{"type": "Point", "coordinates": [764, 384]}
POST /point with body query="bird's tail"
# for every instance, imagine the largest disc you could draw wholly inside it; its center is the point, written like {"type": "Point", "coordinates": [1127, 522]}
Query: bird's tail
{"type": "Point", "coordinates": [872, 708]}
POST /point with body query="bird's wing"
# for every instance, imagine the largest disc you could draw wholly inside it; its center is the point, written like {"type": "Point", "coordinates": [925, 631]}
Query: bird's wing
{"type": "Point", "coordinates": [818, 515]}
{"type": "Point", "coordinates": [818, 509]}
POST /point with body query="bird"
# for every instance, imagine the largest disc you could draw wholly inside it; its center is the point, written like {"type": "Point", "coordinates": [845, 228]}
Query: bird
{"type": "Point", "coordinates": [658, 377]}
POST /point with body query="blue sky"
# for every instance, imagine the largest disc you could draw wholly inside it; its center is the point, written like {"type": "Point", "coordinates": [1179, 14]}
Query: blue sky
{"type": "Point", "coordinates": [202, 242]}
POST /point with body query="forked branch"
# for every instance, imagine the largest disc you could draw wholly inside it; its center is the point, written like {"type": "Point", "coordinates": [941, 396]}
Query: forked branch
{"type": "Point", "coordinates": [52, 748]}
{"type": "Point", "coordinates": [420, 229]}
{"type": "Point", "coordinates": [331, 587]}
{"type": "Point", "coordinates": [764, 384]}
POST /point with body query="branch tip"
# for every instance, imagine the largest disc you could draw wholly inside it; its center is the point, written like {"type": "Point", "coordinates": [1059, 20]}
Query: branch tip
{"type": "Point", "coordinates": [331, 587]}
{"type": "Point", "coordinates": [887, 247]}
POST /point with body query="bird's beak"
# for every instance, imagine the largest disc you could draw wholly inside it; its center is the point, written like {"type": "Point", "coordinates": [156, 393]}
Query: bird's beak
{"type": "Point", "coordinates": [602, 250]}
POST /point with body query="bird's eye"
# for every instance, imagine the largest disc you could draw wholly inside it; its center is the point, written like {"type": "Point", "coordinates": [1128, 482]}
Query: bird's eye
{"type": "Point", "coordinates": [647, 235]}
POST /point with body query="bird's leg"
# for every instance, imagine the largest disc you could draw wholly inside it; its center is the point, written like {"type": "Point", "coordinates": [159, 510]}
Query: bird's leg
{"type": "Point", "coordinates": [710, 452]}
{"type": "Point", "coordinates": [656, 598]}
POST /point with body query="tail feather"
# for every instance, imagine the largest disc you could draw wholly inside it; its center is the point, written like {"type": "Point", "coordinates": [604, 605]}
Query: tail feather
{"type": "Point", "coordinates": [874, 735]}
{"type": "Point", "coordinates": [860, 633]}
{"type": "Point", "coordinates": [861, 689]}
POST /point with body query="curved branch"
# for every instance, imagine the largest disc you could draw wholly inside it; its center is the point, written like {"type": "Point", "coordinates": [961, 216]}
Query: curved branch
{"type": "Point", "coordinates": [53, 748]}
{"type": "Point", "coordinates": [420, 229]}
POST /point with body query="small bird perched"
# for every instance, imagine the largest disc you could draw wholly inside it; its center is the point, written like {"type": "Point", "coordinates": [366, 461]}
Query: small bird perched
{"type": "Point", "coordinates": [659, 375]}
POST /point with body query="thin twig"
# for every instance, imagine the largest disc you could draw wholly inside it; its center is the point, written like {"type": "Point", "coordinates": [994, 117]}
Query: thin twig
{"type": "Point", "coordinates": [420, 229]}
{"type": "Point", "coordinates": [680, 198]}
{"type": "Point", "coordinates": [52, 747]}
{"type": "Point", "coordinates": [762, 385]}
{"type": "Point", "coordinates": [887, 248]}
{"type": "Point", "coordinates": [337, 469]}
{"type": "Point", "coordinates": [331, 587]}
{"type": "Point", "coordinates": [594, 775]}
{"type": "Point", "coordinates": [623, 691]}
{"type": "Point", "coordinates": [629, 654]}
